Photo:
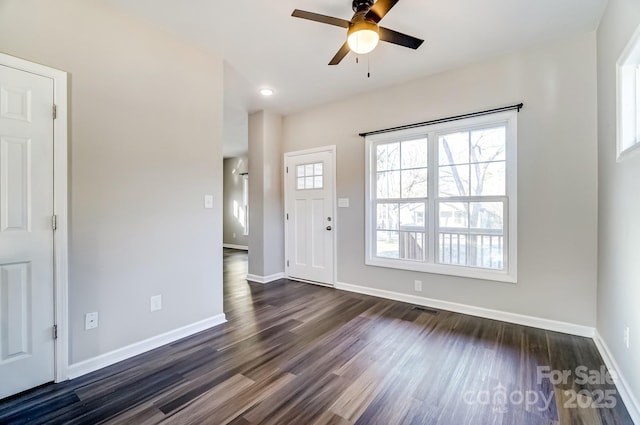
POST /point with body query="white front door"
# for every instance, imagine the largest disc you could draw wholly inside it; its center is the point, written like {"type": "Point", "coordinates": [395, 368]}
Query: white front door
{"type": "Point", "coordinates": [26, 234]}
{"type": "Point", "coordinates": [309, 198]}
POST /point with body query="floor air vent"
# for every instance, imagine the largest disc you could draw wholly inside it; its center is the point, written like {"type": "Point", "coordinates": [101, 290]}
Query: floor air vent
{"type": "Point", "coordinates": [426, 310]}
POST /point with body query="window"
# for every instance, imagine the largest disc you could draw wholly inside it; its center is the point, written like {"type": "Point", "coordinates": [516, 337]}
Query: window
{"type": "Point", "coordinates": [442, 198]}
{"type": "Point", "coordinates": [309, 176]}
{"type": "Point", "coordinates": [628, 108]}
{"type": "Point", "coordinates": [245, 202]}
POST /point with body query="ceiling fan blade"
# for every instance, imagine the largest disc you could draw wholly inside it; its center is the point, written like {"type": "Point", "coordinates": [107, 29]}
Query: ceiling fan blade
{"type": "Point", "coordinates": [344, 50]}
{"type": "Point", "coordinates": [379, 9]}
{"type": "Point", "coordinates": [391, 36]}
{"type": "Point", "coordinates": [321, 18]}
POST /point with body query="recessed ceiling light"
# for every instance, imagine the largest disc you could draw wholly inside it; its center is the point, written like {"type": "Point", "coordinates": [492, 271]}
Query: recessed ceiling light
{"type": "Point", "coordinates": [266, 92]}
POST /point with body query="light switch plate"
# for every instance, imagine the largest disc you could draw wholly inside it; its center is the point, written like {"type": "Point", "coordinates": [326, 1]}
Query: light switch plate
{"type": "Point", "coordinates": [156, 303]}
{"type": "Point", "coordinates": [208, 201]}
{"type": "Point", "coordinates": [343, 202]}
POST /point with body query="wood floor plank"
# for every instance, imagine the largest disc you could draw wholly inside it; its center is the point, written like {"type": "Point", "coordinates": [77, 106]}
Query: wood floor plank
{"type": "Point", "coordinates": [329, 418]}
{"type": "Point", "coordinates": [239, 403]}
{"type": "Point", "coordinates": [578, 415]}
{"type": "Point", "coordinates": [201, 409]}
{"type": "Point", "coordinates": [145, 414]}
{"type": "Point", "coordinates": [357, 397]}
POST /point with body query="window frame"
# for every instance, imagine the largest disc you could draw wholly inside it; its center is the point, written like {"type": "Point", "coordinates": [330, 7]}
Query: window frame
{"type": "Point", "coordinates": [431, 132]}
{"type": "Point", "coordinates": [628, 98]}
{"type": "Point", "coordinates": [245, 202]}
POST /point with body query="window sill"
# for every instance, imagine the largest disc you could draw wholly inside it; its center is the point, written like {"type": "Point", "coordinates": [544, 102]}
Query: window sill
{"type": "Point", "coordinates": [629, 152]}
{"type": "Point", "coordinates": [456, 271]}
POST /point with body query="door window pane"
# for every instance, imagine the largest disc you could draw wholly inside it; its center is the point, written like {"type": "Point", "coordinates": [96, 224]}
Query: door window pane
{"type": "Point", "coordinates": [308, 170]}
{"type": "Point", "coordinates": [309, 176]}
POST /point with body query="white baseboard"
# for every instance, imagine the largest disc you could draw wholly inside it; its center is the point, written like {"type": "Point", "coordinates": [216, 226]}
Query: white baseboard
{"type": "Point", "coordinates": [265, 279]}
{"type": "Point", "coordinates": [519, 319]}
{"type": "Point", "coordinates": [87, 366]}
{"type": "Point", "coordinates": [630, 401]}
{"type": "Point", "coordinates": [232, 246]}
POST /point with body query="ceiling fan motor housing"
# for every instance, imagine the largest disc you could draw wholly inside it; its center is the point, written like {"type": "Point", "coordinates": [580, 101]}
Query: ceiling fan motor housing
{"type": "Point", "coordinates": [362, 5]}
{"type": "Point", "coordinates": [362, 24]}
{"type": "Point", "coordinates": [360, 21]}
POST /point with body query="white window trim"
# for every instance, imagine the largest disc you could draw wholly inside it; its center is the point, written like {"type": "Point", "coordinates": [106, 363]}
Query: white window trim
{"type": "Point", "coordinates": [245, 202]}
{"type": "Point", "coordinates": [511, 214]}
{"type": "Point", "coordinates": [628, 98]}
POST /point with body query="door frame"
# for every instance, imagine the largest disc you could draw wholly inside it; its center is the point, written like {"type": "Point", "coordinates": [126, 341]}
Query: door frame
{"type": "Point", "coordinates": [332, 150]}
{"type": "Point", "coordinates": [60, 207]}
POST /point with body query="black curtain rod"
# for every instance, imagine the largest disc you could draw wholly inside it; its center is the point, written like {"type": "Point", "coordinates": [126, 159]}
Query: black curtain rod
{"type": "Point", "coordinates": [448, 119]}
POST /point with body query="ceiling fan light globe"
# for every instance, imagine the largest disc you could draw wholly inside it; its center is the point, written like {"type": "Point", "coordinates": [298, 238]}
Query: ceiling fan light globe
{"type": "Point", "coordinates": [363, 41]}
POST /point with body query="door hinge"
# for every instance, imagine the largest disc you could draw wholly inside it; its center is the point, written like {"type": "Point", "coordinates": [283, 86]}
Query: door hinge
{"type": "Point", "coordinates": [55, 111]}
{"type": "Point", "coordinates": [55, 331]}
{"type": "Point", "coordinates": [287, 216]}
{"type": "Point", "coordinates": [54, 222]}
{"type": "Point", "coordinates": [287, 263]}
{"type": "Point", "coordinates": [287, 170]}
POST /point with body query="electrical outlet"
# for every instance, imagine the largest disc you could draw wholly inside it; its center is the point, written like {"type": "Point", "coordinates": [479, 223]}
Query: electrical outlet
{"type": "Point", "coordinates": [91, 321]}
{"type": "Point", "coordinates": [417, 285]}
{"type": "Point", "coordinates": [156, 303]}
{"type": "Point", "coordinates": [626, 336]}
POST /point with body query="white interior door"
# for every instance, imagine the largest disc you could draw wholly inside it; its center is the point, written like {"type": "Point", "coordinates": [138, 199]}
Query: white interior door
{"type": "Point", "coordinates": [309, 204]}
{"type": "Point", "coordinates": [26, 234]}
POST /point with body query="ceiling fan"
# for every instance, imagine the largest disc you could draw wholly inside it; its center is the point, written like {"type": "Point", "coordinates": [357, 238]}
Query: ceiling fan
{"type": "Point", "coordinates": [363, 31]}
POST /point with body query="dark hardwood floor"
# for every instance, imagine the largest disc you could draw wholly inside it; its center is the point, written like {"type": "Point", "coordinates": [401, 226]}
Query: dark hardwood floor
{"type": "Point", "coordinates": [294, 353]}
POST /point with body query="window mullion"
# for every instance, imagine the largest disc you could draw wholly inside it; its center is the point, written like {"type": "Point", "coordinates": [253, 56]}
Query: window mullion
{"type": "Point", "coordinates": [432, 194]}
{"type": "Point", "coordinates": [484, 198]}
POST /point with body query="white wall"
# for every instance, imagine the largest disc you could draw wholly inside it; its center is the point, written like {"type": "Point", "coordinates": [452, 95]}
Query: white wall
{"type": "Point", "coordinates": [619, 204]}
{"type": "Point", "coordinates": [557, 192]}
{"type": "Point", "coordinates": [266, 224]}
{"type": "Point", "coordinates": [145, 146]}
{"type": "Point", "coordinates": [233, 201]}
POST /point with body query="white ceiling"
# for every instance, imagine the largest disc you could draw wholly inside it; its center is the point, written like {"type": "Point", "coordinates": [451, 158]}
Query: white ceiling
{"type": "Point", "coordinates": [264, 46]}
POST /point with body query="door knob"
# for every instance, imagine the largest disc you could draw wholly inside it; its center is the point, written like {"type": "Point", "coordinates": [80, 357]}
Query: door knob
{"type": "Point", "coordinates": [328, 227]}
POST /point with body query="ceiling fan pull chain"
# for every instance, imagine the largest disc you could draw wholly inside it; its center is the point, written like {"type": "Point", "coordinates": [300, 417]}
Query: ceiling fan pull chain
{"type": "Point", "coordinates": [369, 66]}
{"type": "Point", "coordinates": [357, 59]}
